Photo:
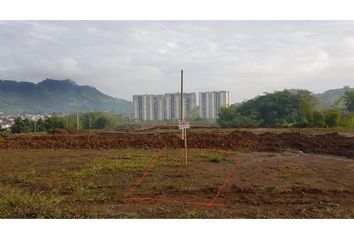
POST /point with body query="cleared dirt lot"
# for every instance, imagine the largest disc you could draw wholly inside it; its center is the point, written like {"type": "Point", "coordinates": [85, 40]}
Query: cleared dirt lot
{"type": "Point", "coordinates": [92, 184]}
{"type": "Point", "coordinates": [277, 175]}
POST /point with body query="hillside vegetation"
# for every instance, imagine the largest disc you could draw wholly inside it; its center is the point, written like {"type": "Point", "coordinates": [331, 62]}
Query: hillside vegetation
{"type": "Point", "coordinates": [289, 109]}
{"type": "Point", "coordinates": [51, 96]}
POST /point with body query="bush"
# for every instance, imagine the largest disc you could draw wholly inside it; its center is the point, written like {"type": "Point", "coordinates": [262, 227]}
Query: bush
{"type": "Point", "coordinates": [331, 118]}
{"type": "Point", "coordinates": [317, 120]}
{"type": "Point", "coordinates": [347, 121]}
{"type": "Point", "coordinates": [5, 134]}
{"type": "Point", "coordinates": [217, 157]}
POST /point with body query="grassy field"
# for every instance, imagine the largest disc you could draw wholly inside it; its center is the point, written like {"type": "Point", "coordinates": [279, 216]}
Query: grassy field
{"type": "Point", "coordinates": [92, 184]}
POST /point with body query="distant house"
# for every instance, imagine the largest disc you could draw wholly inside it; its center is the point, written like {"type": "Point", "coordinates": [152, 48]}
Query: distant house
{"type": "Point", "coordinates": [5, 126]}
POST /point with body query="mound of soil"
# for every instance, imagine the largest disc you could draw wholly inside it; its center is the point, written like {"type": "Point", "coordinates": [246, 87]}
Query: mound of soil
{"type": "Point", "coordinates": [331, 143]}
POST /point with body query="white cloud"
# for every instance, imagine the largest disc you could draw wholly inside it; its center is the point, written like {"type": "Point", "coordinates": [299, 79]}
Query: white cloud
{"type": "Point", "coordinates": [123, 58]}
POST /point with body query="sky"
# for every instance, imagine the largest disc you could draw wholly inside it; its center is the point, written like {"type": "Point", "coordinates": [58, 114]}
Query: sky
{"type": "Point", "coordinates": [123, 58]}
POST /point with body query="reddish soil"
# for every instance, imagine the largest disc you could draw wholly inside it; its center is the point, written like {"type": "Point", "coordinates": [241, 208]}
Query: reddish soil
{"type": "Point", "coordinates": [264, 185]}
{"type": "Point", "coordinates": [330, 143]}
{"type": "Point", "coordinates": [92, 184]}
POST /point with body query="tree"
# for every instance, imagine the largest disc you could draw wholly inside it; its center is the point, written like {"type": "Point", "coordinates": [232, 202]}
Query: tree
{"type": "Point", "coordinates": [349, 100]}
{"type": "Point", "coordinates": [308, 103]}
{"type": "Point", "coordinates": [282, 108]}
{"type": "Point", "coordinates": [347, 120]}
{"type": "Point", "coordinates": [50, 123]}
{"type": "Point", "coordinates": [101, 122]}
{"type": "Point", "coordinates": [317, 120]}
{"type": "Point", "coordinates": [331, 118]}
{"type": "Point", "coordinates": [226, 116]}
{"type": "Point", "coordinates": [17, 126]}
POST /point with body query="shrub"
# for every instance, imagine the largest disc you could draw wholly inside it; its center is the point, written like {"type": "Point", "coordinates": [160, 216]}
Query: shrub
{"type": "Point", "coordinates": [271, 189]}
{"type": "Point", "coordinates": [5, 134]}
{"type": "Point", "coordinates": [347, 121]}
{"type": "Point", "coordinates": [331, 118]}
{"type": "Point", "coordinates": [217, 157]}
{"type": "Point", "coordinates": [317, 120]}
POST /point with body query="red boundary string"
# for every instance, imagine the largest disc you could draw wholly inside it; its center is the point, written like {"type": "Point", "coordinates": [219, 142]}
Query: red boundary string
{"type": "Point", "coordinates": [231, 173]}
{"type": "Point", "coordinates": [207, 204]}
{"type": "Point", "coordinates": [152, 163]}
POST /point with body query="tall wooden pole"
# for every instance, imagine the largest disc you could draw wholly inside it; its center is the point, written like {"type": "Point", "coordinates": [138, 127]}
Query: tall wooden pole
{"type": "Point", "coordinates": [184, 131]}
{"type": "Point", "coordinates": [77, 117]}
{"type": "Point", "coordinates": [181, 103]}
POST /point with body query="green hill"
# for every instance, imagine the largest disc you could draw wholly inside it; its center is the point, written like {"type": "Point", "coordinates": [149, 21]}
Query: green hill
{"type": "Point", "coordinates": [329, 98]}
{"type": "Point", "coordinates": [61, 96]}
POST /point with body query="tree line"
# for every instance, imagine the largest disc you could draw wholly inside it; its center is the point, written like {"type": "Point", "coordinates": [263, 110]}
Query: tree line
{"type": "Point", "coordinates": [91, 120]}
{"type": "Point", "coordinates": [289, 109]}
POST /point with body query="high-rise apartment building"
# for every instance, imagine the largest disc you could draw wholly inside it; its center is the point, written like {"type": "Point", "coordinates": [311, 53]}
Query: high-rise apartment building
{"type": "Point", "coordinates": [163, 107]}
{"type": "Point", "coordinates": [210, 103]}
{"type": "Point", "coordinates": [138, 107]}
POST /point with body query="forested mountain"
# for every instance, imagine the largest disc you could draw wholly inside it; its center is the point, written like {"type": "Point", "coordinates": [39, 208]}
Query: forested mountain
{"type": "Point", "coordinates": [61, 96]}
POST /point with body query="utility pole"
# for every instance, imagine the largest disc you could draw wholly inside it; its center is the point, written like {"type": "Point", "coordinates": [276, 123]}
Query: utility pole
{"type": "Point", "coordinates": [90, 122]}
{"type": "Point", "coordinates": [184, 130]}
{"type": "Point", "coordinates": [77, 117]}
{"type": "Point", "coordinates": [181, 102]}
{"type": "Point", "coordinates": [66, 120]}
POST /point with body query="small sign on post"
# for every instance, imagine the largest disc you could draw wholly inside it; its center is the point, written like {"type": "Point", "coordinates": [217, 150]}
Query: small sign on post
{"type": "Point", "coordinates": [184, 125]}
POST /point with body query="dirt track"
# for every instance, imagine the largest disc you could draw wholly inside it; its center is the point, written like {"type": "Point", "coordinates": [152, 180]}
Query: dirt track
{"type": "Point", "coordinates": [331, 143]}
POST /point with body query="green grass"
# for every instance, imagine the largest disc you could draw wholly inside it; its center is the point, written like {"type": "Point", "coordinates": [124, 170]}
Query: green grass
{"type": "Point", "coordinates": [217, 158]}
{"type": "Point", "coordinates": [190, 214]}
{"type": "Point", "coordinates": [271, 189]}
{"type": "Point", "coordinates": [18, 204]}
{"type": "Point", "coordinates": [109, 167]}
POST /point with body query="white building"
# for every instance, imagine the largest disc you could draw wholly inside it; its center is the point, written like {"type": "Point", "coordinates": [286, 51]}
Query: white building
{"type": "Point", "coordinates": [138, 107]}
{"type": "Point", "coordinates": [210, 103]}
{"type": "Point", "coordinates": [163, 107]}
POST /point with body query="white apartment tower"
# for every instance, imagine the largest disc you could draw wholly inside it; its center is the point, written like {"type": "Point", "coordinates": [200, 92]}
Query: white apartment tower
{"type": "Point", "coordinates": [163, 107]}
{"type": "Point", "coordinates": [210, 103]}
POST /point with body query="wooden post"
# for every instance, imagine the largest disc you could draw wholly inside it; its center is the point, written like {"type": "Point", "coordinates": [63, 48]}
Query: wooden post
{"type": "Point", "coordinates": [77, 117]}
{"type": "Point", "coordinates": [185, 146]}
{"type": "Point", "coordinates": [184, 131]}
{"type": "Point", "coordinates": [181, 103]}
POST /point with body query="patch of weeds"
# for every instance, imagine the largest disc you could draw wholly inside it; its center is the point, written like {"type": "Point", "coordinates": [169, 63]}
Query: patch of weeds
{"type": "Point", "coordinates": [129, 215]}
{"type": "Point", "coordinates": [271, 189]}
{"type": "Point", "coordinates": [87, 193]}
{"type": "Point", "coordinates": [333, 204]}
{"type": "Point", "coordinates": [203, 155]}
{"type": "Point", "coordinates": [327, 209]}
{"type": "Point", "coordinates": [190, 214]}
{"type": "Point", "coordinates": [217, 158]}
{"type": "Point", "coordinates": [18, 204]}
{"type": "Point", "coordinates": [28, 179]}
{"type": "Point", "coordinates": [5, 134]}
{"type": "Point", "coordinates": [162, 210]}
{"type": "Point", "coordinates": [109, 167]}
{"type": "Point", "coordinates": [253, 212]}
{"type": "Point", "coordinates": [209, 215]}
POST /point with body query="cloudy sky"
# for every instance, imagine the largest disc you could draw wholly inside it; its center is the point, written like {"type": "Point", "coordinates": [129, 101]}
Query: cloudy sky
{"type": "Point", "coordinates": [122, 58]}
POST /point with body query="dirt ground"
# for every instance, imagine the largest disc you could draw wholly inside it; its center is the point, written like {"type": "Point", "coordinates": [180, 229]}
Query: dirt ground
{"type": "Point", "coordinates": [89, 183]}
{"type": "Point", "coordinates": [308, 142]}
{"type": "Point", "coordinates": [258, 173]}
